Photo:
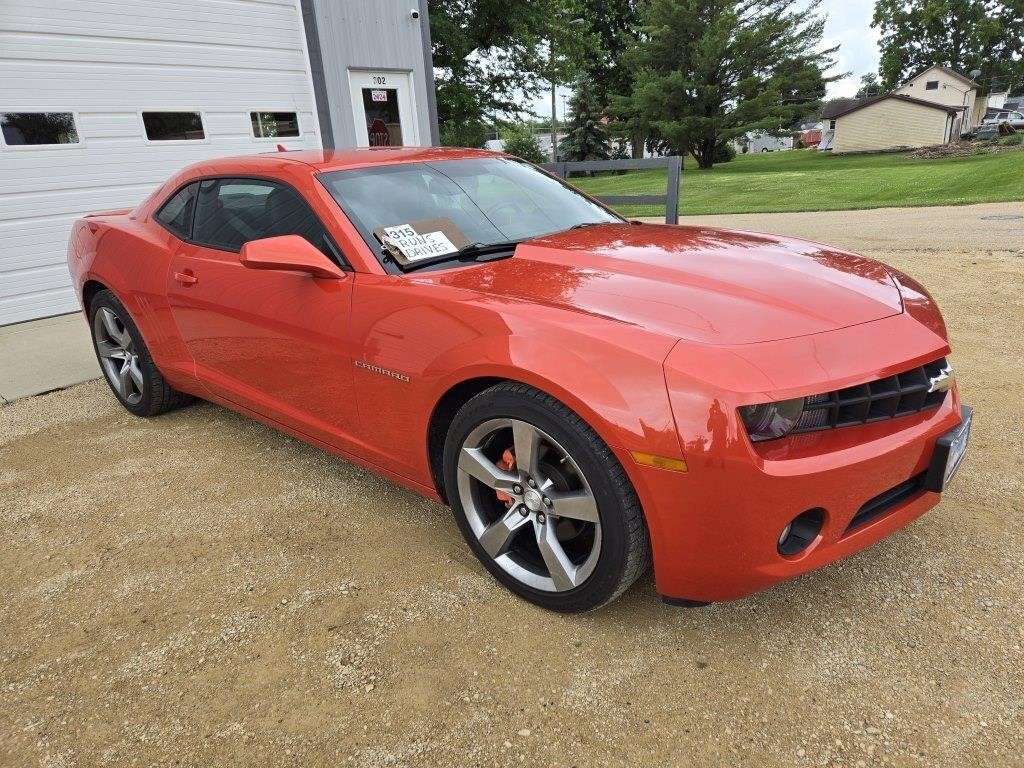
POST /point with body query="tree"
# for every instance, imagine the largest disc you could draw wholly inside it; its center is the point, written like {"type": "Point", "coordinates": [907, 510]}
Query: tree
{"type": "Point", "coordinates": [487, 54]}
{"type": "Point", "coordinates": [611, 29]}
{"type": "Point", "coordinates": [587, 138]}
{"type": "Point", "coordinates": [491, 55]}
{"type": "Point", "coordinates": [869, 86]}
{"type": "Point", "coordinates": [612, 26]}
{"type": "Point", "coordinates": [707, 71]}
{"type": "Point", "coordinates": [964, 35]}
{"type": "Point", "coordinates": [518, 140]}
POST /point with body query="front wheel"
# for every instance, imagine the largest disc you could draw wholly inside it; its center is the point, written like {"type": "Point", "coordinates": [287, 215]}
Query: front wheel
{"type": "Point", "coordinates": [542, 501]}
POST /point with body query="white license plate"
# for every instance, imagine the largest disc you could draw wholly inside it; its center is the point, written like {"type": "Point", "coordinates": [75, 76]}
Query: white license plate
{"type": "Point", "coordinates": [957, 449]}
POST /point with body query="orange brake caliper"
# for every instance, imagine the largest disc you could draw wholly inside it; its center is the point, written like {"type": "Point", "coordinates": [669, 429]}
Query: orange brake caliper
{"type": "Point", "coordinates": [507, 463]}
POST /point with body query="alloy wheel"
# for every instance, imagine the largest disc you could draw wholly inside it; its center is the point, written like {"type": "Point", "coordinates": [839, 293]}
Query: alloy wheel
{"type": "Point", "coordinates": [529, 505]}
{"type": "Point", "coordinates": [118, 356]}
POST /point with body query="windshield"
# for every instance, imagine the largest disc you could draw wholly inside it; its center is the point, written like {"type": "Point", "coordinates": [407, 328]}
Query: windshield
{"type": "Point", "coordinates": [471, 202]}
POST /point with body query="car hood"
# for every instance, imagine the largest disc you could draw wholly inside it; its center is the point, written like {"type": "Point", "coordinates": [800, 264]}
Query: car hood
{"type": "Point", "coordinates": [707, 285]}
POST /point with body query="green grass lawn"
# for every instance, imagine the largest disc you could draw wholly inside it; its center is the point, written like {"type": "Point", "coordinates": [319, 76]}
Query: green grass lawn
{"type": "Point", "coordinates": [806, 180]}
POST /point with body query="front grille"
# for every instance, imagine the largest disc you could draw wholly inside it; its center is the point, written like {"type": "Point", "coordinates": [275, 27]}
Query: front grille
{"type": "Point", "coordinates": [899, 395]}
{"type": "Point", "coordinates": [883, 502]}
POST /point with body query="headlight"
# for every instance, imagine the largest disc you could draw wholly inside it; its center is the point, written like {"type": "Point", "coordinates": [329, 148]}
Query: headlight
{"type": "Point", "coordinates": [770, 420]}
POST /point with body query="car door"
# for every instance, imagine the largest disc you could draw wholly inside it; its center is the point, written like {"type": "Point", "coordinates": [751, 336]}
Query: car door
{"type": "Point", "coordinates": [276, 342]}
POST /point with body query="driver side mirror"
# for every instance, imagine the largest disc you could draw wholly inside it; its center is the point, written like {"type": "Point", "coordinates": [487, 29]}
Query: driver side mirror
{"type": "Point", "coordinates": [289, 253]}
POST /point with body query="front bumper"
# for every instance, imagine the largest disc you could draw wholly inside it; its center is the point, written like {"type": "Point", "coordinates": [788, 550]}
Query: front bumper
{"type": "Point", "coordinates": [717, 526]}
{"type": "Point", "coordinates": [715, 529]}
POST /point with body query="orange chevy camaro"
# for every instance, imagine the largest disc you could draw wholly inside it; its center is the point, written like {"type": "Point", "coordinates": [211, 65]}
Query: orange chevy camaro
{"type": "Point", "coordinates": [588, 394]}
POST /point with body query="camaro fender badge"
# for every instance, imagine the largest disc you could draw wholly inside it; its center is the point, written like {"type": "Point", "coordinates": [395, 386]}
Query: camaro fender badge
{"type": "Point", "coordinates": [943, 380]}
{"type": "Point", "coordinates": [381, 371]}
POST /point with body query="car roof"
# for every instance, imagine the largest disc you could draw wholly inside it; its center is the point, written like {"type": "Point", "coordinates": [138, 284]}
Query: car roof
{"type": "Point", "coordinates": [303, 162]}
{"type": "Point", "coordinates": [339, 159]}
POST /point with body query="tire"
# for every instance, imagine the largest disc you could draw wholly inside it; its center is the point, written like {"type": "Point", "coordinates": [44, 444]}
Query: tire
{"type": "Point", "coordinates": [565, 531]}
{"type": "Point", "coordinates": [124, 358]}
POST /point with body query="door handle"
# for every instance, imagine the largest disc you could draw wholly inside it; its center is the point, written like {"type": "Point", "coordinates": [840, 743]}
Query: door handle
{"type": "Point", "coordinates": [186, 278]}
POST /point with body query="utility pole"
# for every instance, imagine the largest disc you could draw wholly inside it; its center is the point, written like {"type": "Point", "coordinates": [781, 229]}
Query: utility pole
{"type": "Point", "coordinates": [554, 86]}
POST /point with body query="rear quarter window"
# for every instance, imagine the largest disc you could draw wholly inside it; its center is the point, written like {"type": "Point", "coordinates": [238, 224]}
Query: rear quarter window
{"type": "Point", "coordinates": [176, 214]}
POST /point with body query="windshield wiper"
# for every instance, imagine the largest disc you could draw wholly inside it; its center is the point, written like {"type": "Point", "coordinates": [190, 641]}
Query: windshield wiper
{"type": "Point", "coordinates": [468, 253]}
{"type": "Point", "coordinates": [583, 224]}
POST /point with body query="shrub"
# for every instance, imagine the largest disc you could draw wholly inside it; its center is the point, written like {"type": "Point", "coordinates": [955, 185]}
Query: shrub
{"type": "Point", "coordinates": [724, 153]}
{"type": "Point", "coordinates": [466, 134]}
{"type": "Point", "coordinates": [519, 140]}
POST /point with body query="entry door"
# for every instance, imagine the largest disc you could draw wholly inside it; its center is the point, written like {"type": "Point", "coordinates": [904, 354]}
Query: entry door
{"type": "Point", "coordinates": [273, 341]}
{"type": "Point", "coordinates": [383, 107]}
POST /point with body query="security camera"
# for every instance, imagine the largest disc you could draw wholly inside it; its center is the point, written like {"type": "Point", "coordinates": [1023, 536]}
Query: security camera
{"type": "Point", "coordinates": [414, 13]}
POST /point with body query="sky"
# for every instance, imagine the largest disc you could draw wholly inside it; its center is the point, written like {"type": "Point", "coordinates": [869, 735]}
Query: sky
{"type": "Point", "coordinates": [847, 23]}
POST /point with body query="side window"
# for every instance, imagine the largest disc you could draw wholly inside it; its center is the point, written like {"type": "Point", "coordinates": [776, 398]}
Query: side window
{"type": "Point", "coordinates": [173, 126]}
{"type": "Point", "coordinates": [38, 128]}
{"type": "Point", "coordinates": [268, 125]}
{"type": "Point", "coordinates": [231, 212]}
{"type": "Point", "coordinates": [931, 85]}
{"type": "Point", "coordinates": [176, 213]}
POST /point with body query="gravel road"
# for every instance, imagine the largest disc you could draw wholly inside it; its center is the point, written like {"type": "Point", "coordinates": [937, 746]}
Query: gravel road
{"type": "Point", "coordinates": [198, 589]}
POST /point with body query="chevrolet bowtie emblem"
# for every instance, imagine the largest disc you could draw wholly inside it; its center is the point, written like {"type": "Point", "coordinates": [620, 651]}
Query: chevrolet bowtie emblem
{"type": "Point", "coordinates": [943, 380]}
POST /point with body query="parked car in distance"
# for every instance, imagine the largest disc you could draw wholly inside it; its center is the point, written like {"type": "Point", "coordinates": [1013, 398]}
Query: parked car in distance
{"type": "Point", "coordinates": [1014, 118]}
{"type": "Point", "coordinates": [588, 394]}
{"type": "Point", "coordinates": [761, 141]}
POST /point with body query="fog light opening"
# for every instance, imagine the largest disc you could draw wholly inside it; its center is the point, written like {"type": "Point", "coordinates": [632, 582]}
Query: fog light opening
{"type": "Point", "coordinates": [801, 532]}
{"type": "Point", "coordinates": [785, 533]}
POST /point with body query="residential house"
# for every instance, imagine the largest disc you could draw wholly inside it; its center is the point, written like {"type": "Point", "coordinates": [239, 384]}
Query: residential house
{"type": "Point", "coordinates": [828, 121]}
{"type": "Point", "coordinates": [935, 106]}
{"type": "Point", "coordinates": [1002, 101]}
{"type": "Point", "coordinates": [890, 121]}
{"type": "Point", "coordinates": [945, 86]}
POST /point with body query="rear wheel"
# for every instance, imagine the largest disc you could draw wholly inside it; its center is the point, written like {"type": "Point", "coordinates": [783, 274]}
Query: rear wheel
{"type": "Point", "coordinates": [542, 501]}
{"type": "Point", "coordinates": [125, 360]}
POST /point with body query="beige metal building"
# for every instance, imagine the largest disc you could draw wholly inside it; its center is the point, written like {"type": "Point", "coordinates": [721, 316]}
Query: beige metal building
{"type": "Point", "coordinates": [891, 121]}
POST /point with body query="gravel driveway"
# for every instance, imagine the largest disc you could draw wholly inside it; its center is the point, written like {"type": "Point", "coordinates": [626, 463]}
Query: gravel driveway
{"type": "Point", "coordinates": [200, 590]}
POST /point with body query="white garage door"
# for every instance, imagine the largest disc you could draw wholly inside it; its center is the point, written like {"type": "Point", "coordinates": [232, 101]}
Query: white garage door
{"type": "Point", "coordinates": [82, 84]}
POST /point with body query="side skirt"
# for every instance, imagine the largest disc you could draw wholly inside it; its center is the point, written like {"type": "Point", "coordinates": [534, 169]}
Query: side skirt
{"type": "Point", "coordinates": [423, 490]}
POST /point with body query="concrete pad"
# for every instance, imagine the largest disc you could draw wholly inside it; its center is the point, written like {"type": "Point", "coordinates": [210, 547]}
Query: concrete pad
{"type": "Point", "coordinates": [43, 355]}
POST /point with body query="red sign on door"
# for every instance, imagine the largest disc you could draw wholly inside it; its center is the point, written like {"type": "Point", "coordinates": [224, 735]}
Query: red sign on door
{"type": "Point", "coordinates": [379, 134]}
